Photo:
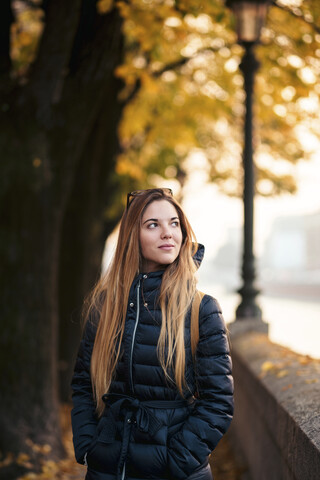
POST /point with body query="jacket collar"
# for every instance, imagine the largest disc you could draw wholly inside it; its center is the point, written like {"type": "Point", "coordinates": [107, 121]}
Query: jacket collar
{"type": "Point", "coordinates": [198, 256]}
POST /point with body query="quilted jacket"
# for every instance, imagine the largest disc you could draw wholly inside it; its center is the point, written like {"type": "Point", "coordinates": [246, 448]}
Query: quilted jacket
{"type": "Point", "coordinates": [148, 430]}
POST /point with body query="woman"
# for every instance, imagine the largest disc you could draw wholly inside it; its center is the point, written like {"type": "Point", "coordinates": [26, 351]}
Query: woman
{"type": "Point", "coordinates": [144, 406]}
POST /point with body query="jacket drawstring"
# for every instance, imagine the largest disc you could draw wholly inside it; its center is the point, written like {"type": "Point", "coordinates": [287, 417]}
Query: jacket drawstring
{"type": "Point", "coordinates": [136, 413]}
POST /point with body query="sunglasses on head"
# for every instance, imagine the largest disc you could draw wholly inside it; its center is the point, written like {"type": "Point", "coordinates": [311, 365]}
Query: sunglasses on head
{"type": "Point", "coordinates": [132, 195]}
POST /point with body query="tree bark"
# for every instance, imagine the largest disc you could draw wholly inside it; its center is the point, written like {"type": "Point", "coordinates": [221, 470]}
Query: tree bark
{"type": "Point", "coordinates": [85, 229]}
{"type": "Point", "coordinates": [46, 127]}
{"type": "Point", "coordinates": [6, 19]}
{"type": "Point", "coordinates": [30, 224]}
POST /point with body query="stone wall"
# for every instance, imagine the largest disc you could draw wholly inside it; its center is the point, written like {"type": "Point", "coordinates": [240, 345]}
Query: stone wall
{"type": "Point", "coordinates": [277, 409]}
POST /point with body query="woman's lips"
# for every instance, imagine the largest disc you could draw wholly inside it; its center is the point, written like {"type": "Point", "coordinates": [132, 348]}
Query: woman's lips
{"type": "Point", "coordinates": [166, 247]}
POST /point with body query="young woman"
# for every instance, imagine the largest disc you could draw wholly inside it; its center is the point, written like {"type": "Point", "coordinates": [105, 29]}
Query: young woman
{"type": "Point", "coordinates": [145, 407]}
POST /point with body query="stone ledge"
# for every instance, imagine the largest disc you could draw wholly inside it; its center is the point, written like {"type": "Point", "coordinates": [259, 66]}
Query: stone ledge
{"type": "Point", "coordinates": [277, 409]}
{"type": "Point", "coordinates": [239, 327]}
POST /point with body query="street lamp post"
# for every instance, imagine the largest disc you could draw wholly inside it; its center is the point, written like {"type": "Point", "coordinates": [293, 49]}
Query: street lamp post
{"type": "Point", "coordinates": [250, 16]}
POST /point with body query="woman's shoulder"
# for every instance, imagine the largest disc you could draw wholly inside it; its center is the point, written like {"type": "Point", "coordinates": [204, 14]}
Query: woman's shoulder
{"type": "Point", "coordinates": [209, 304]}
{"type": "Point", "coordinates": [210, 313]}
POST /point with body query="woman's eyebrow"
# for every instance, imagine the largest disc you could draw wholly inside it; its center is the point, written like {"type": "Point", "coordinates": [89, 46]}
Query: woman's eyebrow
{"type": "Point", "coordinates": [157, 220]}
{"type": "Point", "coordinates": [150, 219]}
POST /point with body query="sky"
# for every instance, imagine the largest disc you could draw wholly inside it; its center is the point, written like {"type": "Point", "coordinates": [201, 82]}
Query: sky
{"type": "Point", "coordinates": [212, 213]}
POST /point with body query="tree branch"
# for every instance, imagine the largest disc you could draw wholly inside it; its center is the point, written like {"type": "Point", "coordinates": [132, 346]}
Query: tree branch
{"type": "Point", "coordinates": [183, 60]}
{"type": "Point", "coordinates": [169, 66]}
{"type": "Point", "coordinates": [61, 23]}
{"type": "Point", "coordinates": [85, 32]}
{"type": "Point", "coordinates": [86, 88]}
{"type": "Point", "coordinates": [296, 15]}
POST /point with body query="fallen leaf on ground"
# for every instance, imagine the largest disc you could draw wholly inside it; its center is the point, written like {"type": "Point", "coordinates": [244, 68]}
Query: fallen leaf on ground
{"type": "Point", "coordinates": [286, 387]}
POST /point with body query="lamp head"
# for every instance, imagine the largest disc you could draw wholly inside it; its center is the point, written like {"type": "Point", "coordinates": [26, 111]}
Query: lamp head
{"type": "Point", "coordinates": [250, 18]}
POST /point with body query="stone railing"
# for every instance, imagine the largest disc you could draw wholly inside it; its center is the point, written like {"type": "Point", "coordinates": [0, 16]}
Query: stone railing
{"type": "Point", "coordinates": [277, 409]}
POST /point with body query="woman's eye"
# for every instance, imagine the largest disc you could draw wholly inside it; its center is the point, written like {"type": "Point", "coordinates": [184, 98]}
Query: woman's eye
{"type": "Point", "coordinates": [175, 224]}
{"type": "Point", "coordinates": [152, 225]}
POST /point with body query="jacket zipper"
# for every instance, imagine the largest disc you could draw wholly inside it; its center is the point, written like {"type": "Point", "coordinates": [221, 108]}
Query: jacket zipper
{"type": "Point", "coordinates": [123, 473]}
{"type": "Point", "coordinates": [134, 336]}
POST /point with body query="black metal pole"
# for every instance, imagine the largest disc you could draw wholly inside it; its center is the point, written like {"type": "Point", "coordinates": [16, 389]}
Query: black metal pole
{"type": "Point", "coordinates": [248, 308]}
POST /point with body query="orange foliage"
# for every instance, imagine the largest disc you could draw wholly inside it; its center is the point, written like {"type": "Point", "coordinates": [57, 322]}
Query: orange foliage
{"type": "Point", "coordinates": [44, 467]}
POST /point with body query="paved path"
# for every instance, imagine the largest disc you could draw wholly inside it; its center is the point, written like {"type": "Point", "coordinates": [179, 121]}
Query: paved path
{"type": "Point", "coordinates": [225, 464]}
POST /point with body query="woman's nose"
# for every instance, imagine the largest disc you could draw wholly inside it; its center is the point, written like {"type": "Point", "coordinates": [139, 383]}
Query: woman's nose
{"type": "Point", "coordinates": [166, 233]}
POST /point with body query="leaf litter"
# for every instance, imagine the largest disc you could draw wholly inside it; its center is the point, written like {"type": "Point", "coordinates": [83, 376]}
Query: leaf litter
{"type": "Point", "coordinates": [224, 463]}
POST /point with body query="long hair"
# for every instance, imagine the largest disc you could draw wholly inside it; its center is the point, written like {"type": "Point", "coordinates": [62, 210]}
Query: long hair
{"type": "Point", "coordinates": [110, 297]}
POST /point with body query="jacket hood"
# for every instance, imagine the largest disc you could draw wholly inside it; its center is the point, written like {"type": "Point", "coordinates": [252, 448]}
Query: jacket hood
{"type": "Point", "coordinates": [198, 256]}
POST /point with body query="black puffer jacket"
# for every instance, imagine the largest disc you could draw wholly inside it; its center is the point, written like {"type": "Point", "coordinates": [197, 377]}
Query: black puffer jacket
{"type": "Point", "coordinates": [148, 431]}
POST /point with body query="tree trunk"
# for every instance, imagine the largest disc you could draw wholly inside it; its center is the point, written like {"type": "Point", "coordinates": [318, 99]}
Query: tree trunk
{"type": "Point", "coordinates": [85, 229]}
{"type": "Point", "coordinates": [46, 126]}
{"type": "Point", "coordinates": [31, 217]}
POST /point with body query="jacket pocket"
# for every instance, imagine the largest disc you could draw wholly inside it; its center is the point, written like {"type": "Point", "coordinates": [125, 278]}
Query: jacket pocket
{"type": "Point", "coordinates": [104, 451]}
{"type": "Point", "coordinates": [147, 456]}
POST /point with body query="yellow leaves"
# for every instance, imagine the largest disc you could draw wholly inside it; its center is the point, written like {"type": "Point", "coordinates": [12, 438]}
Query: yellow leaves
{"type": "Point", "coordinates": [46, 449]}
{"type": "Point", "coordinates": [267, 366]}
{"type": "Point", "coordinates": [50, 467]}
{"type": "Point", "coordinates": [170, 107]}
{"type": "Point", "coordinates": [104, 6]}
{"type": "Point", "coordinates": [36, 162]}
{"type": "Point", "coordinates": [25, 39]}
{"type": "Point", "coordinates": [155, 27]}
{"type": "Point", "coordinates": [150, 84]}
{"type": "Point", "coordinates": [39, 463]}
{"type": "Point", "coordinates": [126, 71]}
{"type": "Point", "coordinates": [286, 387]}
{"type": "Point", "coordinates": [271, 182]}
{"type": "Point", "coordinates": [124, 9]}
{"type": "Point", "coordinates": [126, 167]}
{"type": "Point", "coordinates": [50, 470]}
{"type": "Point", "coordinates": [274, 368]}
{"type": "Point", "coordinates": [8, 460]}
{"type": "Point", "coordinates": [306, 360]}
{"type": "Point", "coordinates": [287, 367]}
{"type": "Point", "coordinates": [25, 35]}
{"type": "Point", "coordinates": [23, 459]}
{"type": "Point", "coordinates": [42, 449]}
{"type": "Point", "coordinates": [29, 476]}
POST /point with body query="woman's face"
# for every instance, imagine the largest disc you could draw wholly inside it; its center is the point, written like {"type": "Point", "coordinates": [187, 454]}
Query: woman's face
{"type": "Point", "coordinates": [160, 235]}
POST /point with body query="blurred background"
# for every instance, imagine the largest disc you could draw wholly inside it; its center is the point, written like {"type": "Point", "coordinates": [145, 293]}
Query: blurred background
{"type": "Point", "coordinates": [99, 98]}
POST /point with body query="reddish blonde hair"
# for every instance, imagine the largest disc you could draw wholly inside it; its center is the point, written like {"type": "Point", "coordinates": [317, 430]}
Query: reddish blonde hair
{"type": "Point", "coordinates": [177, 290]}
